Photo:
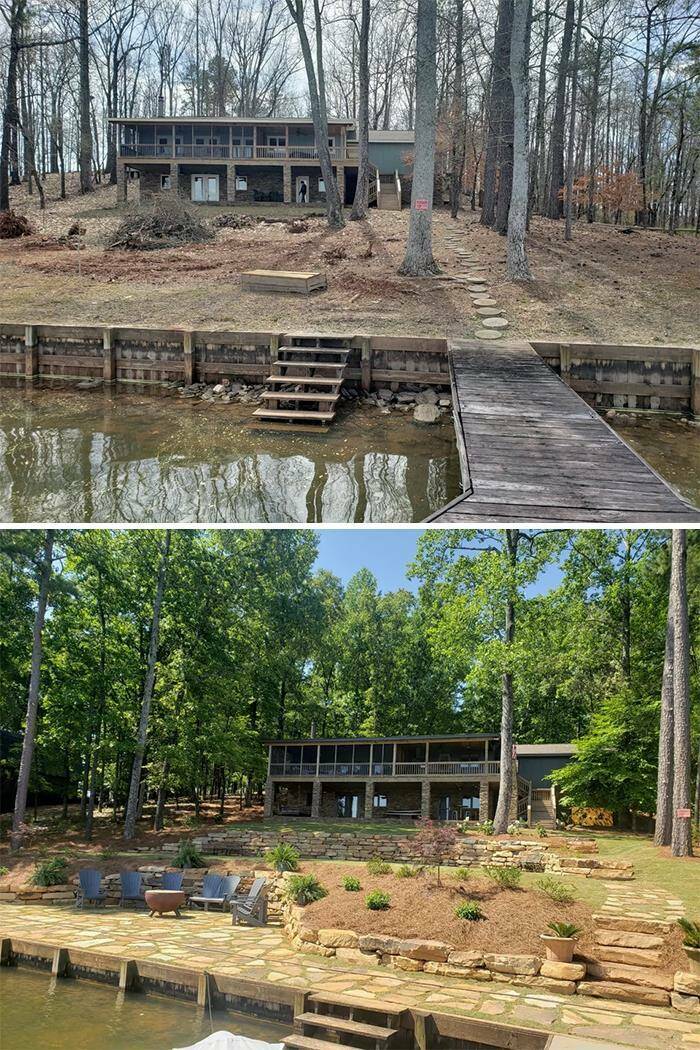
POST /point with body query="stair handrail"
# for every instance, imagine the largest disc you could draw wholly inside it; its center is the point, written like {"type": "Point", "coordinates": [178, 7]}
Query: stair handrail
{"type": "Point", "coordinates": [397, 182]}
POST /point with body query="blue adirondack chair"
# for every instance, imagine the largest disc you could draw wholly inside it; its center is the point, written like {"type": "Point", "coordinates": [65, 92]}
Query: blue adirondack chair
{"type": "Point", "coordinates": [171, 880]}
{"type": "Point", "coordinates": [89, 888]}
{"type": "Point", "coordinates": [217, 890]}
{"type": "Point", "coordinates": [130, 888]}
{"type": "Point", "coordinates": [251, 909]}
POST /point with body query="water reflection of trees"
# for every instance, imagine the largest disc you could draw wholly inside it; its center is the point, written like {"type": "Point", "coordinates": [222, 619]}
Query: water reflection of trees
{"type": "Point", "coordinates": [71, 475]}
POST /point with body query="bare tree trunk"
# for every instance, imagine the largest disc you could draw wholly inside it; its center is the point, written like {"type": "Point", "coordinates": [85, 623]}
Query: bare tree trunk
{"type": "Point", "coordinates": [506, 785]}
{"type": "Point", "coordinates": [458, 144]}
{"type": "Point", "coordinates": [556, 156]}
{"type": "Point", "coordinates": [418, 260]}
{"type": "Point", "coordinates": [500, 79]}
{"type": "Point", "coordinates": [517, 265]}
{"type": "Point", "coordinates": [85, 151]}
{"type": "Point", "coordinates": [681, 839]}
{"type": "Point", "coordinates": [132, 806]}
{"type": "Point", "coordinates": [359, 204]}
{"type": "Point", "coordinates": [539, 167]}
{"type": "Point", "coordinates": [25, 764]}
{"type": "Point", "coordinates": [572, 128]}
{"type": "Point", "coordinates": [505, 135]}
{"type": "Point", "coordinates": [10, 117]}
{"type": "Point", "coordinates": [664, 786]}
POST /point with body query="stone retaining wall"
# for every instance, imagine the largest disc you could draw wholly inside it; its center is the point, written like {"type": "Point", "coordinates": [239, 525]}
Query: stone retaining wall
{"type": "Point", "coordinates": [558, 857]}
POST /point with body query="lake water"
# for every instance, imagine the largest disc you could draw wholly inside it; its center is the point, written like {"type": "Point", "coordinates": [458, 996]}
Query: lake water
{"type": "Point", "coordinates": [38, 1012]}
{"type": "Point", "coordinates": [671, 447]}
{"type": "Point", "coordinates": [130, 456]}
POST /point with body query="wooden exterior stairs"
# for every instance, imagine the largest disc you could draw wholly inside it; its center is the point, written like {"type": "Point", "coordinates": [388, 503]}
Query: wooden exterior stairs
{"type": "Point", "coordinates": [303, 389]}
{"type": "Point", "coordinates": [327, 1021]}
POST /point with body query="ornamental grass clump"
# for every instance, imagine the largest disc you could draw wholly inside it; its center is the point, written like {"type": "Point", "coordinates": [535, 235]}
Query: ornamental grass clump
{"type": "Point", "coordinates": [188, 856]}
{"type": "Point", "coordinates": [691, 932]}
{"type": "Point", "coordinates": [470, 911]}
{"type": "Point", "coordinates": [282, 857]}
{"type": "Point", "coordinates": [506, 877]}
{"type": "Point", "coordinates": [407, 871]}
{"type": "Point", "coordinates": [375, 866]}
{"type": "Point", "coordinates": [351, 884]}
{"type": "Point", "coordinates": [305, 889]}
{"type": "Point", "coordinates": [377, 900]}
{"type": "Point", "coordinates": [556, 890]}
{"type": "Point", "coordinates": [51, 872]}
{"type": "Point", "coordinates": [463, 874]}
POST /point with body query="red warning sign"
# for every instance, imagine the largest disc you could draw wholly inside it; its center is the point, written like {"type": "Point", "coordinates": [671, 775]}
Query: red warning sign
{"type": "Point", "coordinates": [421, 204]}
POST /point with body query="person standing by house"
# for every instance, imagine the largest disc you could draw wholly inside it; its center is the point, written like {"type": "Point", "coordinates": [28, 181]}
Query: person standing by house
{"type": "Point", "coordinates": [302, 192]}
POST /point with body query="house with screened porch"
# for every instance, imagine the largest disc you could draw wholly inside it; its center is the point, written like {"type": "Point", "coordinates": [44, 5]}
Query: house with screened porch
{"type": "Point", "coordinates": [451, 778]}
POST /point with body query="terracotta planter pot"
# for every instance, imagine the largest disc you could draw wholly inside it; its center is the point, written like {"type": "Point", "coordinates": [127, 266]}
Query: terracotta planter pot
{"type": "Point", "coordinates": [164, 900]}
{"type": "Point", "coordinates": [693, 956]}
{"type": "Point", "coordinates": [559, 949]}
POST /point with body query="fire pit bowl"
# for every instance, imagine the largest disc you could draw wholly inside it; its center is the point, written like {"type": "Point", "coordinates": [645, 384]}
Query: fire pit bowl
{"type": "Point", "coordinates": [164, 900]}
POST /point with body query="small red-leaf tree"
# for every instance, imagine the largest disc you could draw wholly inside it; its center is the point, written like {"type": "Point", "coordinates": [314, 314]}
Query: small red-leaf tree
{"type": "Point", "coordinates": [435, 842]}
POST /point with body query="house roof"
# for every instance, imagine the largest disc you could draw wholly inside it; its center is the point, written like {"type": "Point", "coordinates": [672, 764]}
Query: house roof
{"type": "Point", "coordinates": [386, 739]}
{"type": "Point", "coordinates": [548, 750]}
{"type": "Point", "coordinates": [183, 119]}
{"type": "Point", "coordinates": [392, 136]}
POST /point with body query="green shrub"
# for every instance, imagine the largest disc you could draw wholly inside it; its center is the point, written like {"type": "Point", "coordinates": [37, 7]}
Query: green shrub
{"type": "Point", "coordinates": [556, 890]}
{"type": "Point", "coordinates": [485, 827]}
{"type": "Point", "coordinates": [469, 910]}
{"type": "Point", "coordinates": [407, 871]}
{"type": "Point", "coordinates": [4, 870]}
{"type": "Point", "coordinates": [188, 856]}
{"type": "Point", "coordinates": [541, 830]}
{"type": "Point", "coordinates": [563, 929]}
{"type": "Point", "coordinates": [463, 874]}
{"type": "Point", "coordinates": [51, 872]}
{"type": "Point", "coordinates": [107, 853]}
{"type": "Point", "coordinates": [375, 866]}
{"type": "Point", "coordinates": [305, 889]}
{"type": "Point", "coordinates": [516, 827]}
{"type": "Point", "coordinates": [691, 932]}
{"type": "Point", "coordinates": [507, 877]}
{"type": "Point", "coordinates": [377, 901]}
{"type": "Point", "coordinates": [351, 884]}
{"type": "Point", "coordinates": [282, 857]}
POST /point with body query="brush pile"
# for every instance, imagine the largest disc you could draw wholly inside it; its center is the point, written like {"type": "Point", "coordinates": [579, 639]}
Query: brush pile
{"type": "Point", "coordinates": [234, 221]}
{"type": "Point", "coordinates": [13, 225]}
{"type": "Point", "coordinates": [166, 223]}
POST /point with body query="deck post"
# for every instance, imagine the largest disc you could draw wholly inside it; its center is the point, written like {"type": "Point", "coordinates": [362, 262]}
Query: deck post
{"type": "Point", "coordinates": [128, 975]}
{"type": "Point", "coordinates": [340, 179]}
{"type": "Point", "coordinates": [231, 183]}
{"type": "Point", "coordinates": [121, 182]}
{"type": "Point", "coordinates": [275, 340]}
{"type": "Point", "coordinates": [483, 800]}
{"type": "Point", "coordinates": [316, 799]}
{"type": "Point", "coordinates": [565, 363]}
{"type": "Point", "coordinates": [369, 799]}
{"type": "Point", "coordinates": [269, 797]}
{"type": "Point", "coordinates": [695, 384]}
{"type": "Point", "coordinates": [188, 351]}
{"type": "Point", "coordinates": [5, 951]}
{"type": "Point", "coordinates": [287, 182]}
{"type": "Point", "coordinates": [175, 178]}
{"type": "Point", "coordinates": [425, 799]}
{"type": "Point", "coordinates": [366, 363]}
{"type": "Point", "coordinates": [109, 356]}
{"type": "Point", "coordinates": [31, 353]}
{"type": "Point", "coordinates": [204, 989]}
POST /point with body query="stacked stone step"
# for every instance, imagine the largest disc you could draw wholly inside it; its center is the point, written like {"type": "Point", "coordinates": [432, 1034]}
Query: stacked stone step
{"type": "Point", "coordinates": [625, 965]}
{"type": "Point", "coordinates": [490, 314]}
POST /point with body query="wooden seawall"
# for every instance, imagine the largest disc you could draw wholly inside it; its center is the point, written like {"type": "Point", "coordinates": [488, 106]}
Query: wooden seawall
{"type": "Point", "coordinates": [532, 450]}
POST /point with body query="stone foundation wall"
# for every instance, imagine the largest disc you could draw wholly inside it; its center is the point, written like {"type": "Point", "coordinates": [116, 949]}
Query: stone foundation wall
{"type": "Point", "coordinates": [260, 181]}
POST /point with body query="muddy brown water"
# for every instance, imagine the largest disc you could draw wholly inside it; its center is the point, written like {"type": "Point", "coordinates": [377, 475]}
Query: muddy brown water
{"type": "Point", "coordinates": [145, 456]}
{"type": "Point", "coordinates": [670, 446]}
{"type": "Point", "coordinates": [40, 1011]}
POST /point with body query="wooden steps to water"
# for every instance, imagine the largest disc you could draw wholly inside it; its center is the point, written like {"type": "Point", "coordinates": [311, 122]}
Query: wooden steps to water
{"type": "Point", "coordinates": [345, 1024]}
{"type": "Point", "coordinates": [303, 386]}
{"type": "Point", "coordinates": [300, 282]}
{"type": "Point", "coordinates": [328, 1021]}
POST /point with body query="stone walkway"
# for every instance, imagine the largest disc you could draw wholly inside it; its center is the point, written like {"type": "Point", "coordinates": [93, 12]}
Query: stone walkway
{"type": "Point", "coordinates": [208, 941]}
{"type": "Point", "coordinates": [490, 314]}
{"type": "Point", "coordinates": [625, 899]}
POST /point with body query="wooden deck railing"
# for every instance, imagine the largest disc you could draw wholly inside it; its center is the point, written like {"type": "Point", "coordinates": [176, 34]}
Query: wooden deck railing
{"type": "Point", "coordinates": [385, 769]}
{"type": "Point", "coordinates": [225, 152]}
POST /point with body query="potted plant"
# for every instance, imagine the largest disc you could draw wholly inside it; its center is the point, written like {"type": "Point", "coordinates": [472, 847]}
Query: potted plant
{"type": "Point", "coordinates": [691, 943]}
{"type": "Point", "coordinates": [559, 944]}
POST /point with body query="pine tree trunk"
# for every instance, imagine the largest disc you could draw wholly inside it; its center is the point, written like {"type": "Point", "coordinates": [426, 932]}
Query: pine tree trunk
{"type": "Point", "coordinates": [359, 205]}
{"type": "Point", "coordinates": [504, 159]}
{"type": "Point", "coordinates": [10, 117]}
{"type": "Point", "coordinates": [132, 806]}
{"type": "Point", "coordinates": [25, 764]}
{"type": "Point", "coordinates": [664, 786]}
{"type": "Point", "coordinates": [500, 79]}
{"type": "Point", "coordinates": [458, 144]}
{"type": "Point", "coordinates": [556, 148]}
{"type": "Point", "coordinates": [418, 260]}
{"type": "Point", "coordinates": [506, 785]}
{"type": "Point", "coordinates": [572, 128]}
{"type": "Point", "coordinates": [517, 264]}
{"type": "Point", "coordinates": [85, 149]}
{"type": "Point", "coordinates": [681, 842]}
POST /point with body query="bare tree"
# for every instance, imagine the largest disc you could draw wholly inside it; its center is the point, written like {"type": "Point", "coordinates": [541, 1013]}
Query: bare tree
{"type": "Point", "coordinates": [132, 807]}
{"type": "Point", "coordinates": [15, 17]}
{"type": "Point", "coordinates": [359, 206]}
{"type": "Point", "coordinates": [85, 153]}
{"type": "Point", "coordinates": [556, 147]}
{"type": "Point", "coordinates": [418, 260]}
{"type": "Point", "coordinates": [681, 837]}
{"type": "Point", "coordinates": [517, 265]}
{"type": "Point", "coordinates": [572, 127]}
{"type": "Point", "coordinates": [25, 764]}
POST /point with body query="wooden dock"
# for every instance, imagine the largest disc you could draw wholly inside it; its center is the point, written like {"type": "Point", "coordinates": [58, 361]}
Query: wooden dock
{"type": "Point", "coordinates": [532, 450]}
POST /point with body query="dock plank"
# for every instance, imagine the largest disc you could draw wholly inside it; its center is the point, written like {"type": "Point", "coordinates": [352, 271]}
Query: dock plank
{"type": "Point", "coordinates": [534, 451]}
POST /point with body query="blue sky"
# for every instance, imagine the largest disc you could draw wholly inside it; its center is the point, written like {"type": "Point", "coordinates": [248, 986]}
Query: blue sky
{"type": "Point", "coordinates": [387, 552]}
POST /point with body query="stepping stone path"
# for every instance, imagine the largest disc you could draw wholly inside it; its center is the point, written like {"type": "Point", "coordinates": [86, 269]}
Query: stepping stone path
{"type": "Point", "coordinates": [486, 307]}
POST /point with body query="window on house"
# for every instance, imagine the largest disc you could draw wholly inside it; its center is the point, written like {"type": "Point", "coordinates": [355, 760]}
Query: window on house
{"type": "Point", "coordinates": [381, 802]}
{"type": "Point", "coordinates": [321, 185]}
{"type": "Point", "coordinates": [199, 142]}
{"type": "Point", "coordinates": [276, 140]}
{"type": "Point", "coordinates": [162, 141]}
{"type": "Point", "coordinates": [165, 182]}
{"type": "Point", "coordinates": [241, 182]}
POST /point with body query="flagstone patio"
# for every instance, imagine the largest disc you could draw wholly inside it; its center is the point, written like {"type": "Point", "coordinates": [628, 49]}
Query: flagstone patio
{"type": "Point", "coordinates": [208, 941]}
